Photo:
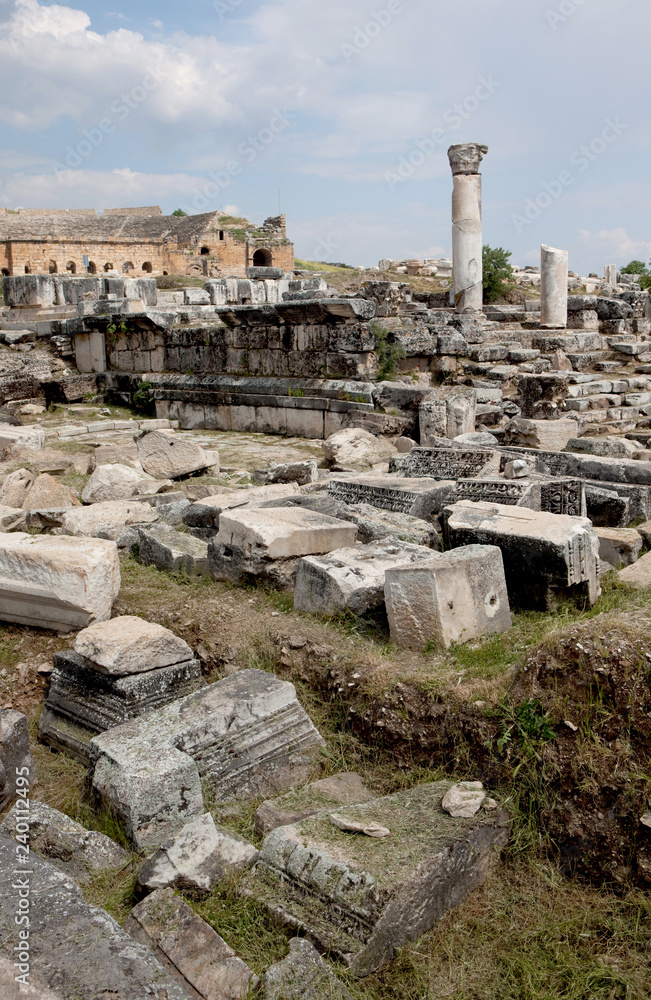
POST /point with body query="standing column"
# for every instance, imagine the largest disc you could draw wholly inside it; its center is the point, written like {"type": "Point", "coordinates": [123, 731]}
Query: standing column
{"type": "Point", "coordinates": [553, 287]}
{"type": "Point", "coordinates": [466, 226]}
{"type": "Point", "coordinates": [610, 274]}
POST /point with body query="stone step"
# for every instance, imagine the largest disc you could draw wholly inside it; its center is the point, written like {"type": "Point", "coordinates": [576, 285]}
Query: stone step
{"type": "Point", "coordinates": [569, 342]}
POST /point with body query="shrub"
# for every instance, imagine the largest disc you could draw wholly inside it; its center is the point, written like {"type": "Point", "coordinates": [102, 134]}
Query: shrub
{"type": "Point", "coordinates": [498, 276]}
{"type": "Point", "coordinates": [387, 353]}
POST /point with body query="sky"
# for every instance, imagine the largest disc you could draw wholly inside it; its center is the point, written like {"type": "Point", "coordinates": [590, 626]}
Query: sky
{"type": "Point", "coordinates": [339, 113]}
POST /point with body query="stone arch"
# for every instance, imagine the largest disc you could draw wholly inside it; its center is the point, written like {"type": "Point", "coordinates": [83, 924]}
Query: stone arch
{"type": "Point", "coordinates": [108, 267]}
{"type": "Point", "coordinates": [71, 267]}
{"type": "Point", "coordinates": [128, 266]}
{"type": "Point", "coordinates": [148, 266]}
{"type": "Point", "coordinates": [262, 257]}
{"type": "Point", "coordinates": [205, 251]}
{"type": "Point", "coordinates": [52, 267]}
{"type": "Point", "coordinates": [92, 267]}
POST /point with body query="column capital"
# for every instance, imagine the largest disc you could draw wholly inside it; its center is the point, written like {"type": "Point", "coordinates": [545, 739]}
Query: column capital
{"type": "Point", "coordinates": [466, 157]}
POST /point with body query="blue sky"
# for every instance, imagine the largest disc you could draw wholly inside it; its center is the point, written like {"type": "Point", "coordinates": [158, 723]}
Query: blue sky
{"type": "Point", "coordinates": [341, 113]}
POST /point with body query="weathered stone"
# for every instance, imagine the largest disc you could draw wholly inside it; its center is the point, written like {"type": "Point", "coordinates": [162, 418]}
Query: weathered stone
{"type": "Point", "coordinates": [293, 472]}
{"type": "Point", "coordinates": [476, 439]}
{"type": "Point", "coordinates": [548, 435]}
{"type": "Point", "coordinates": [543, 553]}
{"type": "Point", "coordinates": [246, 736]}
{"type": "Point", "coordinates": [12, 518]}
{"type": "Point", "coordinates": [619, 546]}
{"type": "Point", "coordinates": [420, 497]}
{"type": "Point", "coordinates": [303, 975]}
{"type": "Point", "coordinates": [45, 492]}
{"type": "Point", "coordinates": [351, 578]}
{"type": "Point", "coordinates": [404, 444]}
{"type": "Point", "coordinates": [362, 897]}
{"type": "Point", "coordinates": [125, 453]}
{"type": "Point", "coordinates": [375, 524]}
{"type": "Point", "coordinates": [345, 789]}
{"type": "Point", "coordinates": [607, 447]}
{"type": "Point", "coordinates": [163, 546]}
{"type": "Point", "coordinates": [451, 463]}
{"type": "Point", "coordinates": [638, 575]}
{"type": "Point", "coordinates": [189, 949]}
{"type": "Point", "coordinates": [465, 159]}
{"type": "Point", "coordinates": [465, 799]}
{"type": "Point", "coordinates": [57, 582]}
{"type": "Point", "coordinates": [267, 542]}
{"type": "Point", "coordinates": [32, 436]}
{"type": "Point", "coordinates": [354, 448]}
{"type": "Point", "coordinates": [205, 513]}
{"type": "Point", "coordinates": [76, 950]}
{"type": "Point", "coordinates": [453, 597]}
{"type": "Point", "coordinates": [645, 532]}
{"type": "Point", "coordinates": [446, 413]}
{"type": "Point", "coordinates": [101, 517]}
{"type": "Point", "coordinates": [556, 496]}
{"type": "Point", "coordinates": [167, 456]}
{"type": "Point", "coordinates": [130, 645]}
{"type": "Point", "coordinates": [74, 850]}
{"type": "Point", "coordinates": [553, 287]}
{"type": "Point", "coordinates": [197, 857]}
{"type": "Point", "coordinates": [116, 482]}
{"type": "Point", "coordinates": [17, 772]}
{"type": "Point", "coordinates": [15, 488]}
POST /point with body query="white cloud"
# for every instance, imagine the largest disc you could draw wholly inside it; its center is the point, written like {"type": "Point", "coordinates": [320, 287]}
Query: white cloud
{"type": "Point", "coordinates": [94, 188]}
{"type": "Point", "coordinates": [616, 245]}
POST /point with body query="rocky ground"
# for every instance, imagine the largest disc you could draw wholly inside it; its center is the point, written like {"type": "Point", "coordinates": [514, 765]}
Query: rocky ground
{"type": "Point", "coordinates": [553, 716]}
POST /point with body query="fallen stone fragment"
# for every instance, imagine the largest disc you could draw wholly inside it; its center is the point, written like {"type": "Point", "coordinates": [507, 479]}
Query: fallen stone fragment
{"type": "Point", "coordinates": [345, 789]}
{"type": "Point", "coordinates": [357, 826]}
{"type": "Point", "coordinates": [197, 857]}
{"type": "Point", "coordinates": [301, 473]}
{"type": "Point", "coordinates": [361, 897]}
{"type": "Point", "coordinates": [17, 771]}
{"type": "Point", "coordinates": [32, 436]}
{"type": "Point", "coordinates": [465, 799]}
{"type": "Point", "coordinates": [163, 546]}
{"type": "Point", "coordinates": [74, 850]}
{"type": "Point", "coordinates": [12, 518]}
{"type": "Point", "coordinates": [15, 488]}
{"type": "Point", "coordinates": [57, 582]}
{"type": "Point", "coordinates": [619, 546]}
{"type": "Point", "coordinates": [639, 574]}
{"type": "Point", "coordinates": [267, 543]}
{"type": "Point", "coordinates": [103, 517]}
{"type": "Point", "coordinates": [451, 597]}
{"type": "Point", "coordinates": [543, 554]}
{"type": "Point", "coordinates": [189, 949]}
{"type": "Point", "coordinates": [547, 435]}
{"type": "Point", "coordinates": [354, 448]}
{"type": "Point", "coordinates": [45, 492]}
{"type": "Point", "coordinates": [451, 463]}
{"type": "Point", "coordinates": [75, 949]}
{"type": "Point", "coordinates": [246, 736]}
{"type": "Point", "coordinates": [130, 645]}
{"type": "Point", "coordinates": [376, 525]}
{"type": "Point", "coordinates": [115, 482]}
{"type": "Point", "coordinates": [303, 975]}
{"type": "Point", "coordinates": [167, 456]}
{"type": "Point", "coordinates": [125, 453]}
{"type": "Point", "coordinates": [205, 513]}
{"type": "Point", "coordinates": [604, 447]}
{"type": "Point", "coordinates": [351, 578]}
{"type": "Point", "coordinates": [447, 413]}
{"type": "Point", "coordinates": [420, 497]}
{"type": "Point", "coordinates": [645, 531]}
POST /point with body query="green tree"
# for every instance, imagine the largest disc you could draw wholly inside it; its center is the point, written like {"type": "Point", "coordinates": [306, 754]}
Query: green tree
{"type": "Point", "coordinates": [180, 213]}
{"type": "Point", "coordinates": [498, 276]}
{"type": "Point", "coordinates": [635, 267]}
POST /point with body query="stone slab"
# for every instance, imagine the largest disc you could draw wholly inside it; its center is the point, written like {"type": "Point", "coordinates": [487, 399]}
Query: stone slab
{"type": "Point", "coordinates": [161, 545]}
{"type": "Point", "coordinates": [101, 517]}
{"type": "Point", "coordinates": [361, 897]}
{"type": "Point", "coordinates": [450, 463]}
{"type": "Point", "coordinates": [619, 546]}
{"type": "Point", "coordinates": [130, 645]}
{"type": "Point", "coordinates": [57, 582]}
{"type": "Point", "coordinates": [555, 496]}
{"type": "Point", "coordinates": [421, 497]}
{"type": "Point", "coordinates": [345, 789]}
{"type": "Point", "coordinates": [454, 597]}
{"type": "Point", "coordinates": [639, 574]}
{"type": "Point", "coordinates": [245, 736]}
{"type": "Point", "coordinates": [303, 975]}
{"type": "Point", "coordinates": [205, 513]}
{"type": "Point", "coordinates": [17, 771]}
{"type": "Point", "coordinates": [168, 456]}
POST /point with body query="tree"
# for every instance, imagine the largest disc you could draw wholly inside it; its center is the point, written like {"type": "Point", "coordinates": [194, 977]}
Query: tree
{"type": "Point", "coordinates": [179, 212]}
{"type": "Point", "coordinates": [498, 275]}
{"type": "Point", "coordinates": [635, 267]}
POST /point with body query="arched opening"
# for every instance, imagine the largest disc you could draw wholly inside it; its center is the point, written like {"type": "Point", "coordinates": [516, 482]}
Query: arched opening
{"type": "Point", "coordinates": [71, 267]}
{"type": "Point", "coordinates": [148, 267]}
{"type": "Point", "coordinates": [109, 267]}
{"type": "Point", "coordinates": [28, 269]}
{"type": "Point", "coordinates": [166, 272]}
{"type": "Point", "coordinates": [205, 251]}
{"type": "Point", "coordinates": [128, 266]}
{"type": "Point", "coordinates": [262, 258]}
{"type": "Point", "coordinates": [92, 267]}
{"type": "Point", "coordinates": [221, 234]}
{"type": "Point", "coordinates": [52, 267]}
{"type": "Point", "coordinates": [5, 272]}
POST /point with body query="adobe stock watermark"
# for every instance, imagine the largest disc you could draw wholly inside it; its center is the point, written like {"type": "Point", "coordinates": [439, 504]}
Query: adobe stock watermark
{"type": "Point", "coordinates": [249, 150]}
{"type": "Point", "coordinates": [581, 160]}
{"type": "Point", "coordinates": [376, 24]}
{"type": "Point", "coordinates": [30, 23]}
{"type": "Point", "coordinates": [564, 11]}
{"type": "Point", "coordinates": [325, 249]}
{"type": "Point", "coordinates": [21, 884]}
{"type": "Point", "coordinates": [121, 108]}
{"type": "Point", "coordinates": [225, 8]}
{"type": "Point", "coordinates": [438, 138]}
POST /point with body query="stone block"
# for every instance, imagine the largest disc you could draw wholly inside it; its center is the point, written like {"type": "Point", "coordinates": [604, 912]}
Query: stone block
{"type": "Point", "coordinates": [17, 771]}
{"type": "Point", "coordinates": [548, 435]}
{"type": "Point", "coordinates": [245, 736]}
{"type": "Point", "coordinates": [301, 473]}
{"type": "Point", "coordinates": [267, 543]}
{"type": "Point", "coordinates": [451, 463]}
{"type": "Point", "coordinates": [167, 456]}
{"type": "Point", "coordinates": [619, 546]}
{"type": "Point", "coordinates": [345, 789]}
{"type": "Point", "coordinates": [115, 482]}
{"type": "Point", "coordinates": [46, 493]}
{"type": "Point", "coordinates": [84, 954]}
{"type": "Point", "coordinates": [420, 497]}
{"type": "Point", "coordinates": [57, 582]}
{"type": "Point", "coordinates": [638, 575]}
{"type": "Point", "coordinates": [205, 513]}
{"type": "Point", "coordinates": [197, 857]}
{"type": "Point", "coordinates": [361, 897]}
{"type": "Point", "coordinates": [351, 578]}
{"type": "Point", "coordinates": [554, 495]}
{"type": "Point", "coordinates": [12, 518]}
{"type": "Point", "coordinates": [72, 849]}
{"type": "Point", "coordinates": [375, 524]}
{"type": "Point", "coordinates": [161, 545]}
{"type": "Point", "coordinates": [32, 436]}
{"type": "Point", "coordinates": [447, 413]}
{"type": "Point", "coordinates": [303, 975]}
{"type": "Point", "coordinates": [354, 448]}
{"type": "Point", "coordinates": [189, 949]}
{"type": "Point", "coordinates": [130, 645]}
{"type": "Point", "coordinates": [90, 522]}
{"type": "Point", "coordinates": [15, 488]}
{"type": "Point", "coordinates": [543, 553]}
{"type": "Point", "coordinates": [454, 597]}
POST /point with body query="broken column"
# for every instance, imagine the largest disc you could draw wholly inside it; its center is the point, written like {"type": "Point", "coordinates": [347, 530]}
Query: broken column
{"type": "Point", "coordinates": [553, 288]}
{"type": "Point", "coordinates": [447, 412]}
{"type": "Point", "coordinates": [466, 226]}
{"type": "Point", "coordinates": [118, 671]}
{"type": "Point", "coordinates": [610, 274]}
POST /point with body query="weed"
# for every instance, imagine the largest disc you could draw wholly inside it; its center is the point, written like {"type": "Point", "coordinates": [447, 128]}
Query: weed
{"type": "Point", "coordinates": [388, 354]}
